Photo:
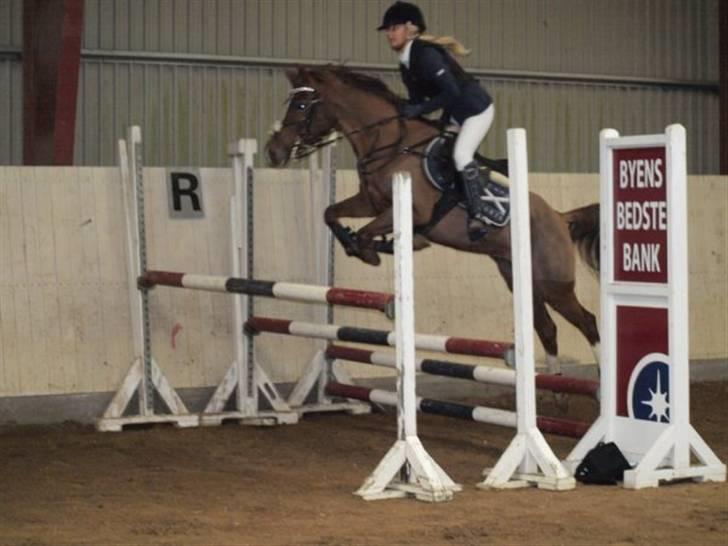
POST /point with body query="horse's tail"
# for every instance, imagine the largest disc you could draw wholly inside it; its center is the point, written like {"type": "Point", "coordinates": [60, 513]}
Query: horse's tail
{"type": "Point", "coordinates": [584, 230]}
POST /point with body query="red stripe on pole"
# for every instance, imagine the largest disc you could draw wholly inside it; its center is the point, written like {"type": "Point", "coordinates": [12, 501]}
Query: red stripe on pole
{"type": "Point", "coordinates": [348, 391]}
{"type": "Point", "coordinates": [562, 427]}
{"type": "Point", "coordinates": [262, 324]}
{"type": "Point", "coordinates": [161, 278]}
{"type": "Point", "coordinates": [349, 353]}
{"type": "Point", "coordinates": [572, 385]}
{"type": "Point", "coordinates": [477, 347]}
{"type": "Point", "coordinates": [359, 298]}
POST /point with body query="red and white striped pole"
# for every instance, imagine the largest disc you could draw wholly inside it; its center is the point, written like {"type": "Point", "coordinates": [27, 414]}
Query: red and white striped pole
{"type": "Point", "coordinates": [272, 289]}
{"type": "Point", "coordinates": [481, 374]}
{"type": "Point", "coordinates": [425, 342]}
{"type": "Point", "coordinates": [480, 414]}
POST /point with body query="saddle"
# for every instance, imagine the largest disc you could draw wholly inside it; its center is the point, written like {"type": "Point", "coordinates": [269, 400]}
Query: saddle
{"type": "Point", "coordinates": [441, 173]}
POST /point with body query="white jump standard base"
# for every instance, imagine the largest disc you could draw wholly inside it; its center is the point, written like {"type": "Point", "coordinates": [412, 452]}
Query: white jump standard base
{"type": "Point", "coordinates": [423, 478]}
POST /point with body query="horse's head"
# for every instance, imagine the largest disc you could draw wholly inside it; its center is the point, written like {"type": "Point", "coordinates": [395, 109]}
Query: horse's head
{"type": "Point", "coordinates": [308, 120]}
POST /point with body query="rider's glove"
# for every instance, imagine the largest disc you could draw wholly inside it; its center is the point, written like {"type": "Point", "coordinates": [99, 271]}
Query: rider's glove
{"type": "Point", "coordinates": [410, 111]}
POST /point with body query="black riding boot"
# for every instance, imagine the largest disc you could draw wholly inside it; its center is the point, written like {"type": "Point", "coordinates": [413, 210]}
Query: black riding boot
{"type": "Point", "coordinates": [471, 185]}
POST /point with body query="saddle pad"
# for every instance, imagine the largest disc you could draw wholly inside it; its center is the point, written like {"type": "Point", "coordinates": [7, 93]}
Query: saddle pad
{"type": "Point", "coordinates": [438, 164]}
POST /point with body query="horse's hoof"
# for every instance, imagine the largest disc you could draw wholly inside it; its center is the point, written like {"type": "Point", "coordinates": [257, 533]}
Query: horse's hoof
{"type": "Point", "coordinates": [370, 257]}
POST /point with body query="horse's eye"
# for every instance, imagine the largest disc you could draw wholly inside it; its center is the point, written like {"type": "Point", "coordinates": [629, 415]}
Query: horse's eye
{"type": "Point", "coordinates": [301, 106]}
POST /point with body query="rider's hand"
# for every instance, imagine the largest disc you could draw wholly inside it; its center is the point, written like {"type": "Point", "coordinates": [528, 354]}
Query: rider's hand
{"type": "Point", "coordinates": [410, 111]}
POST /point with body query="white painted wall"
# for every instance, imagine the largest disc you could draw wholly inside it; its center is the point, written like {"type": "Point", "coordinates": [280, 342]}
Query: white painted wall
{"type": "Point", "coordinates": [64, 315]}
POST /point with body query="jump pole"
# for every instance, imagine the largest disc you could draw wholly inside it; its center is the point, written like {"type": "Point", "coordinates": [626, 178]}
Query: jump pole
{"type": "Point", "coordinates": [528, 460]}
{"type": "Point", "coordinates": [482, 374]}
{"type": "Point", "coordinates": [407, 469]}
{"type": "Point", "coordinates": [480, 414]}
{"type": "Point", "coordinates": [426, 342]}
{"type": "Point", "coordinates": [645, 377]}
{"type": "Point", "coordinates": [309, 293]}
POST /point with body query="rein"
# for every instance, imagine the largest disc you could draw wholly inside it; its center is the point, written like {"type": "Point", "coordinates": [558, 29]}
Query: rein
{"type": "Point", "coordinates": [306, 148]}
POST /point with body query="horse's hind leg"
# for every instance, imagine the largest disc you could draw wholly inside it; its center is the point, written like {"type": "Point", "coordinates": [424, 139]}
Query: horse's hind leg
{"type": "Point", "coordinates": [542, 322]}
{"type": "Point", "coordinates": [546, 329]}
{"type": "Point", "coordinates": [566, 304]}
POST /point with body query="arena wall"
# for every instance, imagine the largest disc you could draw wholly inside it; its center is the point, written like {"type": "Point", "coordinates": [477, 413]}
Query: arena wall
{"type": "Point", "coordinates": [64, 312]}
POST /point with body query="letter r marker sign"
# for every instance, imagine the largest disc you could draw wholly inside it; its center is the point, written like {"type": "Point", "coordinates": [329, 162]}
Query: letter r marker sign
{"type": "Point", "coordinates": [184, 194]}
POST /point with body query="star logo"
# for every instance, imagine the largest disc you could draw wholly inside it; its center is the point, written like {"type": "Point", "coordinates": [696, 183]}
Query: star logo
{"type": "Point", "coordinates": [648, 397]}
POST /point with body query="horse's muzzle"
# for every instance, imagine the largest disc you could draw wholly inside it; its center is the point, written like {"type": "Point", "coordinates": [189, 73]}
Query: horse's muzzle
{"type": "Point", "coordinates": [276, 156]}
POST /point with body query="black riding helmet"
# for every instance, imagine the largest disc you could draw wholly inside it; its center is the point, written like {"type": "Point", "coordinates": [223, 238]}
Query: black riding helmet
{"type": "Point", "coordinates": [402, 12]}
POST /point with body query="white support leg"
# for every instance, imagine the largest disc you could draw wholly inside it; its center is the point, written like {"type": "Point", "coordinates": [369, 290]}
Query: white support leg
{"type": "Point", "coordinates": [114, 419]}
{"type": "Point", "coordinates": [528, 460]}
{"type": "Point", "coordinates": [319, 366]}
{"type": "Point", "coordinates": [407, 469]}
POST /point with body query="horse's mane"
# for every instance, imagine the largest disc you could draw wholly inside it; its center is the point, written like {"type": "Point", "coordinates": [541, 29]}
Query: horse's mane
{"type": "Point", "coordinates": [369, 84]}
{"type": "Point", "coordinates": [366, 83]}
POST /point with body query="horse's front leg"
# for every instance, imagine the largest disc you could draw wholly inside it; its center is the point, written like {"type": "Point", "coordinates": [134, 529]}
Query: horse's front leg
{"type": "Point", "coordinates": [381, 225]}
{"type": "Point", "coordinates": [357, 206]}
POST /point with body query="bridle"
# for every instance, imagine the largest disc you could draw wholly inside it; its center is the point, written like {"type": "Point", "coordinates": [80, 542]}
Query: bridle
{"type": "Point", "coordinates": [309, 143]}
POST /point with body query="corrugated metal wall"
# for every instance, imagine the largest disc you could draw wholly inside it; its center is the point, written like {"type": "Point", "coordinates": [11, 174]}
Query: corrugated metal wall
{"type": "Point", "coordinates": [11, 83]}
{"type": "Point", "coordinates": [195, 74]}
{"type": "Point", "coordinates": [645, 38]}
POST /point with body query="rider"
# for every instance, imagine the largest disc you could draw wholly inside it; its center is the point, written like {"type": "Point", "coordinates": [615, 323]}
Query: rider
{"type": "Point", "coordinates": [434, 81]}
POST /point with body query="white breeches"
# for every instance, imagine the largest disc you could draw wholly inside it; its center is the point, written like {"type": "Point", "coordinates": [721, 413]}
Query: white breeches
{"type": "Point", "coordinates": [470, 136]}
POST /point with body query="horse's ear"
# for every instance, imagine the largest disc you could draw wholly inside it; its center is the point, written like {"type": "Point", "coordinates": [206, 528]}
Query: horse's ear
{"type": "Point", "coordinates": [320, 75]}
{"type": "Point", "coordinates": [292, 73]}
{"type": "Point", "coordinates": [316, 76]}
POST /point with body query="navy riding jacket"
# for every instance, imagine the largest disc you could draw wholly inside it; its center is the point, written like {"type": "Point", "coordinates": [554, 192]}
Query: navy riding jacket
{"type": "Point", "coordinates": [435, 80]}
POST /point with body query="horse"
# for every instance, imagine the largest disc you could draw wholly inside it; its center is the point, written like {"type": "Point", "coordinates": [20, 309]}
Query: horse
{"type": "Point", "coordinates": [329, 99]}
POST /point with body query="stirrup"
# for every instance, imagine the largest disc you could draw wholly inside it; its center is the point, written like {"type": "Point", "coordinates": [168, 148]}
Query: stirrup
{"type": "Point", "coordinates": [477, 229]}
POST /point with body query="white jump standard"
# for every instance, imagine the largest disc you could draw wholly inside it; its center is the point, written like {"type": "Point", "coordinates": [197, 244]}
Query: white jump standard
{"type": "Point", "coordinates": [528, 460]}
{"type": "Point", "coordinates": [645, 379]}
{"type": "Point", "coordinates": [145, 378]}
{"type": "Point", "coordinates": [407, 469]}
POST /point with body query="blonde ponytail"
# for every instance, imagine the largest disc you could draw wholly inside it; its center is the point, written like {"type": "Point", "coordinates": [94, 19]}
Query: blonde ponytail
{"type": "Point", "coordinates": [448, 42]}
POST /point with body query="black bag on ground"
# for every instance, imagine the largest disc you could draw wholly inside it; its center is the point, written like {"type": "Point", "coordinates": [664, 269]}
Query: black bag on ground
{"type": "Point", "coordinates": [605, 465]}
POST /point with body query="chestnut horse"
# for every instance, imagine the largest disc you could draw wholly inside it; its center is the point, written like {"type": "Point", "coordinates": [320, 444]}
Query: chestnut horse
{"type": "Point", "coordinates": [365, 111]}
